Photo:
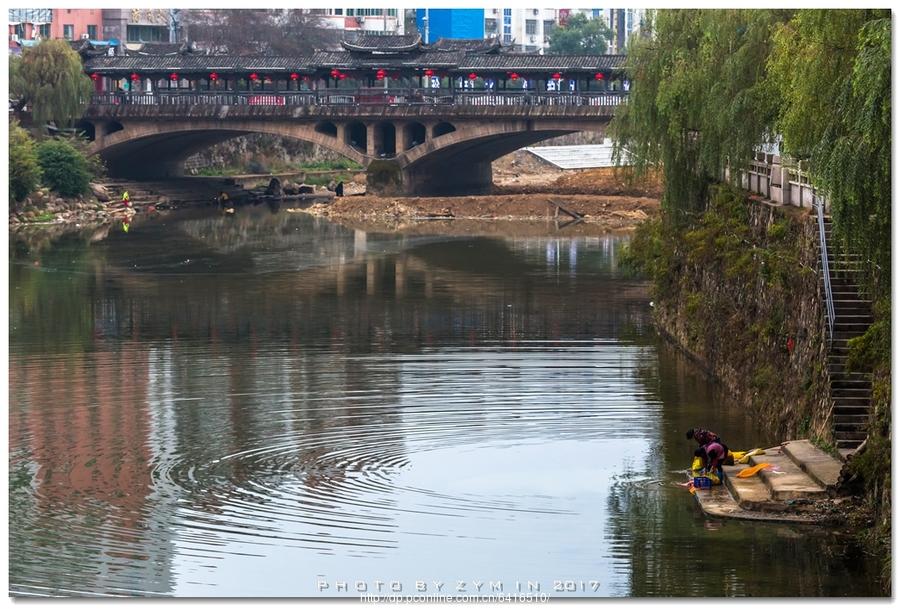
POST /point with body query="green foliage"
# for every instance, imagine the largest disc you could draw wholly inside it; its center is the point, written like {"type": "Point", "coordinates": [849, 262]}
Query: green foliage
{"type": "Point", "coordinates": [65, 170]}
{"type": "Point", "coordinates": [710, 85]}
{"type": "Point", "coordinates": [580, 35]}
{"type": "Point", "coordinates": [95, 164]}
{"type": "Point", "coordinates": [698, 99]}
{"type": "Point", "coordinates": [24, 171]}
{"type": "Point", "coordinates": [873, 349]}
{"type": "Point", "coordinates": [49, 78]}
{"type": "Point", "coordinates": [651, 253]}
{"type": "Point", "coordinates": [331, 165]}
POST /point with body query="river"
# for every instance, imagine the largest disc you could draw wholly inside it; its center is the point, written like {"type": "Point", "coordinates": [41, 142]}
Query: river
{"type": "Point", "coordinates": [275, 405]}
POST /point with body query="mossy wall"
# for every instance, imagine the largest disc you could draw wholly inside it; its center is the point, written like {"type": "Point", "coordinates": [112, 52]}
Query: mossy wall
{"type": "Point", "coordinates": [738, 290]}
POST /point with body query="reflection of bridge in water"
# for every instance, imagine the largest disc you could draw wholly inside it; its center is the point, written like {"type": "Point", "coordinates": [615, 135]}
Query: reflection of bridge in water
{"type": "Point", "coordinates": [441, 115]}
{"type": "Point", "coordinates": [271, 277]}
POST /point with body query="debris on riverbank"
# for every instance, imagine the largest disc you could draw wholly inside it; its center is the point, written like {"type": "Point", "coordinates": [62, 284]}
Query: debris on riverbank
{"type": "Point", "coordinates": [611, 212]}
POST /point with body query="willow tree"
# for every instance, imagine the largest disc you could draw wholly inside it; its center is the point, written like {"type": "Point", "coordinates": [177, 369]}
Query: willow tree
{"type": "Point", "coordinates": [49, 79]}
{"type": "Point", "coordinates": [699, 100]}
{"type": "Point", "coordinates": [833, 68]}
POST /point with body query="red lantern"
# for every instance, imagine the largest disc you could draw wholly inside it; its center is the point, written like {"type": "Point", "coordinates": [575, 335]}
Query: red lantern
{"type": "Point", "coordinates": [342, 76]}
{"type": "Point", "coordinates": [213, 76]}
{"type": "Point", "coordinates": [429, 72]}
{"type": "Point", "coordinates": [598, 76]}
{"type": "Point", "coordinates": [380, 74]}
{"type": "Point", "coordinates": [335, 72]}
{"type": "Point", "coordinates": [173, 76]}
{"type": "Point", "coordinates": [514, 76]}
{"type": "Point", "coordinates": [557, 76]}
{"type": "Point", "coordinates": [254, 77]}
{"type": "Point", "coordinates": [95, 77]}
{"type": "Point", "coordinates": [473, 76]}
{"type": "Point", "coordinates": [295, 76]}
{"type": "Point", "coordinates": [135, 76]}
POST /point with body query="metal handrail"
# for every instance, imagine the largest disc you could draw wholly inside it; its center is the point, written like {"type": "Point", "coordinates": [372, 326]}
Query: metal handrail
{"type": "Point", "coordinates": [826, 273]}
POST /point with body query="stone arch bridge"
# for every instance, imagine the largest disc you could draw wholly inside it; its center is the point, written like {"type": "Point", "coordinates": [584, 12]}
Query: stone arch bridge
{"type": "Point", "coordinates": [421, 118]}
{"type": "Point", "coordinates": [405, 148]}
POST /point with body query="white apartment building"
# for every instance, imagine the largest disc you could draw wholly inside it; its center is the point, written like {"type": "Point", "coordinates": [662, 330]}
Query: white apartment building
{"type": "Point", "coordinates": [529, 29]}
{"type": "Point", "coordinates": [364, 20]}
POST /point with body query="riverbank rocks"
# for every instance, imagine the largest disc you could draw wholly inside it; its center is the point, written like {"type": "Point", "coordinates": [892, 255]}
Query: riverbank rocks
{"type": "Point", "coordinates": [100, 192]}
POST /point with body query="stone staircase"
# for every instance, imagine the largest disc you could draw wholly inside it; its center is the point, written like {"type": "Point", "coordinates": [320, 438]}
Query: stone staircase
{"type": "Point", "coordinates": [791, 491]}
{"type": "Point", "coordinates": [851, 393]}
{"type": "Point", "coordinates": [175, 192]}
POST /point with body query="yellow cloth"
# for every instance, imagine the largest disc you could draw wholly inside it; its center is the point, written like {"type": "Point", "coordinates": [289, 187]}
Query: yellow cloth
{"type": "Point", "coordinates": [742, 457]}
{"type": "Point", "coordinates": [749, 472]}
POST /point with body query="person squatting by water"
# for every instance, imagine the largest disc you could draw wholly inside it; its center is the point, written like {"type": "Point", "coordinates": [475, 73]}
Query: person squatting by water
{"type": "Point", "coordinates": [712, 451]}
{"type": "Point", "coordinates": [713, 456]}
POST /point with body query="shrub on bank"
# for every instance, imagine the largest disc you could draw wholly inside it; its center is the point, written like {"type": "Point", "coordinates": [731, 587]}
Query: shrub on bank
{"type": "Point", "coordinates": [24, 170]}
{"type": "Point", "coordinates": [65, 169]}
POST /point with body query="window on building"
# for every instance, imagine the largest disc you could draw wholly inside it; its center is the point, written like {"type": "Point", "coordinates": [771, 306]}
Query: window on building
{"type": "Point", "coordinates": [531, 26]}
{"type": "Point", "coordinates": [69, 31]}
{"type": "Point", "coordinates": [340, 11]}
{"type": "Point", "coordinates": [507, 38]}
{"type": "Point", "coordinates": [92, 32]}
{"type": "Point", "coordinates": [20, 30]}
{"type": "Point", "coordinates": [44, 30]}
{"type": "Point", "coordinates": [147, 33]}
{"type": "Point", "coordinates": [490, 26]}
{"type": "Point", "coordinates": [549, 25]}
{"type": "Point", "coordinates": [507, 12]}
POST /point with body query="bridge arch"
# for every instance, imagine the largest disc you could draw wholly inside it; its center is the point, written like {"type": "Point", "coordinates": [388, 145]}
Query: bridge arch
{"type": "Point", "coordinates": [356, 136]}
{"type": "Point", "coordinates": [327, 128]}
{"type": "Point", "coordinates": [414, 134]}
{"type": "Point", "coordinates": [441, 129]}
{"type": "Point", "coordinates": [152, 150]}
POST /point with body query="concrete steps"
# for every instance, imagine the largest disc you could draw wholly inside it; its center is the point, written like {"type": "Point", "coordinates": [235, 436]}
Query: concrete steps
{"type": "Point", "coordinates": [851, 392]}
{"type": "Point", "coordinates": [800, 475]}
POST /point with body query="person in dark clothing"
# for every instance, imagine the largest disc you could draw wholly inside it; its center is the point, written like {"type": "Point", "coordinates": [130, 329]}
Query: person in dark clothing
{"type": "Point", "coordinates": [339, 189]}
{"type": "Point", "coordinates": [705, 437]}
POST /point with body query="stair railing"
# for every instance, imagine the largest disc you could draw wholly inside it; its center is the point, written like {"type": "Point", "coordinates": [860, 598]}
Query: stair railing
{"type": "Point", "coordinates": [826, 273]}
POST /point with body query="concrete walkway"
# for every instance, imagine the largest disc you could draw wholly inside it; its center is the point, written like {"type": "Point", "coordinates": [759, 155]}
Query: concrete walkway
{"type": "Point", "coordinates": [801, 475]}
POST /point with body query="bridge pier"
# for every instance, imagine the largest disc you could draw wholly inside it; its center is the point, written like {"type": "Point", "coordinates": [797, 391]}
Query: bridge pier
{"type": "Point", "coordinates": [386, 178]}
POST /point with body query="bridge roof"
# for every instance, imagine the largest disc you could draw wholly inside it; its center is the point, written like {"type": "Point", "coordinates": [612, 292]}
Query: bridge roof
{"type": "Point", "coordinates": [450, 61]}
{"type": "Point", "coordinates": [469, 45]}
{"type": "Point", "coordinates": [525, 62]}
{"type": "Point", "coordinates": [371, 43]}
